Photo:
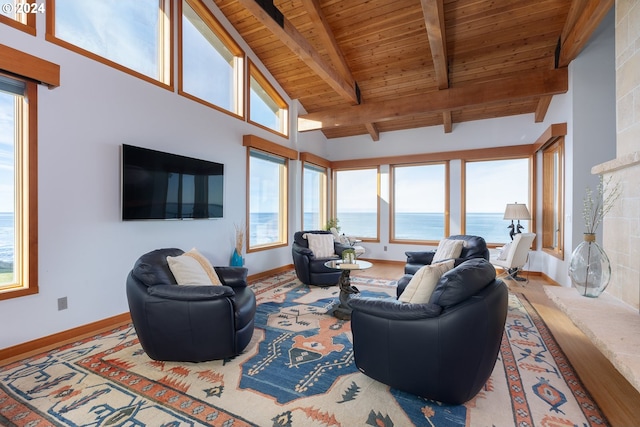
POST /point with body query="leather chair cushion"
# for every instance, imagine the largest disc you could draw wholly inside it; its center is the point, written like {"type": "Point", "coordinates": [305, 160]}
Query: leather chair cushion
{"type": "Point", "coordinates": [245, 307]}
{"type": "Point", "coordinates": [462, 282]}
{"type": "Point", "coordinates": [423, 283]}
{"type": "Point", "coordinates": [152, 268]}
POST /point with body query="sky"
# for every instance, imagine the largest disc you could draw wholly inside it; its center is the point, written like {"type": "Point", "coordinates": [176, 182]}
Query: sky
{"type": "Point", "coordinates": [6, 151]}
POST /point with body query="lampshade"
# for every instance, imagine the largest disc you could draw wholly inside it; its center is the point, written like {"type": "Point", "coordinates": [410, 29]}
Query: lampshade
{"type": "Point", "coordinates": [516, 211]}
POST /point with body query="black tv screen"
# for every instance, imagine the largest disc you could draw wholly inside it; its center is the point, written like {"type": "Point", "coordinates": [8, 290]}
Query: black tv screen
{"type": "Point", "coordinates": [157, 185]}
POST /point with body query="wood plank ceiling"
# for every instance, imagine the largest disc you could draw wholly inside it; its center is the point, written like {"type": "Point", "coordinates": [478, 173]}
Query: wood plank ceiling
{"type": "Point", "coordinates": [371, 66]}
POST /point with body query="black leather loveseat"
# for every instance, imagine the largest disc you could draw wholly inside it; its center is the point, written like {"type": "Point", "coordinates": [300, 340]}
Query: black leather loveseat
{"type": "Point", "coordinates": [189, 323]}
{"type": "Point", "coordinates": [443, 350]}
{"type": "Point", "coordinates": [474, 247]}
{"type": "Point", "coordinates": [310, 269]}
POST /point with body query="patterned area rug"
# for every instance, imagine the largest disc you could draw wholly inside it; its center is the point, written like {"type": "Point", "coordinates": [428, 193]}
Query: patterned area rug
{"type": "Point", "coordinates": [297, 371]}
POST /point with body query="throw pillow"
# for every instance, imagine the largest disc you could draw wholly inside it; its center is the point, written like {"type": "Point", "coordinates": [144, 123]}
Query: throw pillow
{"type": "Point", "coordinates": [320, 244]}
{"type": "Point", "coordinates": [447, 249]}
{"type": "Point", "coordinates": [504, 252]}
{"type": "Point", "coordinates": [192, 268]}
{"type": "Point", "coordinates": [422, 284]}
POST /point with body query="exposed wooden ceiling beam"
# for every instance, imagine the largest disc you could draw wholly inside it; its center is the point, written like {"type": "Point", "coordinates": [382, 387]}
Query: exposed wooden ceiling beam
{"type": "Point", "coordinates": [446, 121]}
{"type": "Point", "coordinates": [373, 131]}
{"type": "Point", "coordinates": [301, 47]}
{"type": "Point", "coordinates": [324, 32]}
{"type": "Point", "coordinates": [433, 12]}
{"type": "Point", "coordinates": [592, 13]}
{"type": "Point", "coordinates": [525, 85]}
{"type": "Point", "coordinates": [542, 107]}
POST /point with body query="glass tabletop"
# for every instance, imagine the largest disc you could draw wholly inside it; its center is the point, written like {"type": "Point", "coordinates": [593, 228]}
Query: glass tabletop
{"type": "Point", "coordinates": [338, 264]}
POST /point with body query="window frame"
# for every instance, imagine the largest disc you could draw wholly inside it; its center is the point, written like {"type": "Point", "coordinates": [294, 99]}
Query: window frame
{"type": "Point", "coordinates": [254, 73]}
{"type": "Point", "coordinates": [392, 203]}
{"type": "Point", "coordinates": [324, 191]}
{"type": "Point", "coordinates": [221, 33]}
{"type": "Point", "coordinates": [269, 148]}
{"type": "Point", "coordinates": [165, 60]}
{"type": "Point", "coordinates": [530, 202]}
{"type": "Point", "coordinates": [28, 25]}
{"type": "Point", "coordinates": [27, 198]}
{"type": "Point", "coordinates": [334, 201]}
{"type": "Point", "coordinates": [548, 185]}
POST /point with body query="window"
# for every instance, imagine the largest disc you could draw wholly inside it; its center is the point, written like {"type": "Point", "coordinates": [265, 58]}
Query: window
{"type": "Point", "coordinates": [18, 193]}
{"type": "Point", "coordinates": [356, 204]}
{"type": "Point", "coordinates": [489, 187]}
{"type": "Point", "coordinates": [211, 66]}
{"type": "Point", "coordinates": [314, 200]}
{"type": "Point", "coordinates": [267, 200]}
{"type": "Point", "coordinates": [266, 107]}
{"type": "Point", "coordinates": [552, 197]}
{"type": "Point", "coordinates": [21, 15]}
{"type": "Point", "coordinates": [419, 202]}
{"type": "Point", "coordinates": [129, 35]}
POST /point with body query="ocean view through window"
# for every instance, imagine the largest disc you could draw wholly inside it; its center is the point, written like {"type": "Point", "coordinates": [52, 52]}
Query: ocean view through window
{"type": "Point", "coordinates": [356, 202]}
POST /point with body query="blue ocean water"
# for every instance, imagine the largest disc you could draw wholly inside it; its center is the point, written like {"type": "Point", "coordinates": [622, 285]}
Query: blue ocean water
{"type": "Point", "coordinates": [6, 238]}
{"type": "Point", "coordinates": [408, 226]}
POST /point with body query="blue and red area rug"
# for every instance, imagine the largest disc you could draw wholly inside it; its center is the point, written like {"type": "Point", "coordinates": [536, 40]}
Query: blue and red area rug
{"type": "Point", "coordinates": [297, 371]}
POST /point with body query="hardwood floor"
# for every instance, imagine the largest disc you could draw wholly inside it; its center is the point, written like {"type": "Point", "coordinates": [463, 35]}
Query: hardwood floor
{"type": "Point", "coordinates": [618, 400]}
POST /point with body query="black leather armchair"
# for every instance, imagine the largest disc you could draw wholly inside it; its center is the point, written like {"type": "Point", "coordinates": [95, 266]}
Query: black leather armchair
{"type": "Point", "coordinates": [474, 247]}
{"type": "Point", "coordinates": [189, 323]}
{"type": "Point", "coordinates": [309, 269]}
{"type": "Point", "coordinates": [444, 350]}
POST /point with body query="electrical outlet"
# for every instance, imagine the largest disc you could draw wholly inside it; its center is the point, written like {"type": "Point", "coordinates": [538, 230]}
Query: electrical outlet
{"type": "Point", "coordinates": [385, 249]}
{"type": "Point", "coordinates": [62, 303]}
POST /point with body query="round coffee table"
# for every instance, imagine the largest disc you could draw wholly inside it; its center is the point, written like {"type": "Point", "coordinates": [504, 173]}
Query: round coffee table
{"type": "Point", "coordinates": [343, 310]}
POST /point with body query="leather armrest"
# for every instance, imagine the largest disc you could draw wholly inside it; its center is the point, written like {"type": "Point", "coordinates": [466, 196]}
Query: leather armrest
{"type": "Point", "coordinates": [339, 247]}
{"type": "Point", "coordinates": [232, 276]}
{"type": "Point", "coordinates": [393, 309]}
{"type": "Point", "coordinates": [190, 293]}
{"type": "Point", "coordinates": [423, 257]}
{"type": "Point", "coordinates": [302, 250]}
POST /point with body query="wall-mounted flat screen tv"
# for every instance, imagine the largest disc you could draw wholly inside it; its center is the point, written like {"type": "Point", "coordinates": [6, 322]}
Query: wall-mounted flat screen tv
{"type": "Point", "coordinates": [158, 185]}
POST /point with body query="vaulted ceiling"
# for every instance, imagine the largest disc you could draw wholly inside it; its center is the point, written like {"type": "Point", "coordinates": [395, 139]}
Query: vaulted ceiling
{"type": "Point", "coordinates": [372, 66]}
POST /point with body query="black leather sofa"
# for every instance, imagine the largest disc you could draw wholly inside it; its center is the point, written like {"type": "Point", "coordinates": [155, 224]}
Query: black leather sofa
{"type": "Point", "coordinates": [444, 350]}
{"type": "Point", "coordinates": [309, 269]}
{"type": "Point", "coordinates": [189, 323]}
{"type": "Point", "coordinates": [474, 247]}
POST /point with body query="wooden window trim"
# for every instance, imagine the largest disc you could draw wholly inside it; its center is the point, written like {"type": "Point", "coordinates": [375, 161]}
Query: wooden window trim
{"type": "Point", "coordinates": [214, 25]}
{"type": "Point", "coordinates": [28, 274]}
{"type": "Point", "coordinates": [334, 192]}
{"type": "Point", "coordinates": [392, 213]}
{"type": "Point", "coordinates": [165, 61]}
{"type": "Point", "coordinates": [557, 146]}
{"type": "Point", "coordinates": [28, 27]}
{"type": "Point", "coordinates": [255, 73]}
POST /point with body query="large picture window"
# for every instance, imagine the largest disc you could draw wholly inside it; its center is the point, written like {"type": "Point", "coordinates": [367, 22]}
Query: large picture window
{"type": "Point", "coordinates": [314, 201]}
{"type": "Point", "coordinates": [357, 205]}
{"type": "Point", "coordinates": [419, 202]}
{"type": "Point", "coordinates": [18, 192]}
{"type": "Point", "coordinates": [489, 187]}
{"type": "Point", "coordinates": [266, 107]}
{"type": "Point", "coordinates": [131, 35]}
{"type": "Point", "coordinates": [552, 198]}
{"type": "Point", "coordinates": [212, 63]}
{"type": "Point", "coordinates": [267, 200]}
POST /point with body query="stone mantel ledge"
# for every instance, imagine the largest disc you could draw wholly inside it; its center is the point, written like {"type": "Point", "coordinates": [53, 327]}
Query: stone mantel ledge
{"type": "Point", "coordinates": [619, 163]}
{"type": "Point", "coordinates": [612, 325]}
